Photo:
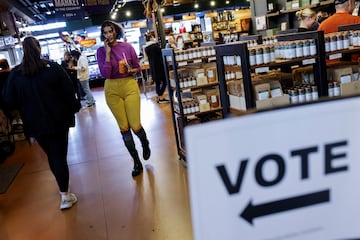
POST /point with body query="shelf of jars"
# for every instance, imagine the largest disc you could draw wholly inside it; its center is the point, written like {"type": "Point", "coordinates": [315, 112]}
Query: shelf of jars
{"type": "Point", "coordinates": [239, 63]}
{"type": "Point", "coordinates": [194, 109]}
{"type": "Point", "coordinates": [191, 56]}
{"type": "Point", "coordinates": [190, 83]}
{"type": "Point", "coordinates": [341, 47]}
{"type": "Point", "coordinates": [292, 10]}
{"type": "Point", "coordinates": [193, 88]}
{"type": "Point", "coordinates": [339, 43]}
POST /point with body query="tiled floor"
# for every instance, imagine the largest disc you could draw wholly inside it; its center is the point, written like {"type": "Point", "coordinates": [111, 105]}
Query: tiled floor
{"type": "Point", "coordinates": [111, 204]}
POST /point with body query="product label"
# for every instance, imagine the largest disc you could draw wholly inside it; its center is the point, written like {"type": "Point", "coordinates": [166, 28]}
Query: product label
{"type": "Point", "coordinates": [210, 73]}
{"type": "Point", "coordinates": [263, 95]}
{"type": "Point", "coordinates": [345, 78]}
{"type": "Point", "coordinates": [276, 92]}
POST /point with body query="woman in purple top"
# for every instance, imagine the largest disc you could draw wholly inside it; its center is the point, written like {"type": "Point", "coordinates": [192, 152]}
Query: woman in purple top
{"type": "Point", "coordinates": [118, 63]}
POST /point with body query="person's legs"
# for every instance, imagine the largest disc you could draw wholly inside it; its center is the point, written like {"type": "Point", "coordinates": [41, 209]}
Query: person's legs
{"type": "Point", "coordinates": [144, 142]}
{"type": "Point", "coordinates": [56, 146]}
{"type": "Point", "coordinates": [160, 89]}
{"type": "Point", "coordinates": [132, 109]}
{"type": "Point", "coordinates": [89, 97]}
{"type": "Point", "coordinates": [130, 145]}
{"type": "Point", "coordinates": [80, 91]}
{"type": "Point", "coordinates": [115, 92]}
{"type": "Point", "coordinates": [114, 100]}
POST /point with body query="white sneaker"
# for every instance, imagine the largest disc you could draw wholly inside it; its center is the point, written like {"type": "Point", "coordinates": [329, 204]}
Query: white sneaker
{"type": "Point", "coordinates": [67, 201]}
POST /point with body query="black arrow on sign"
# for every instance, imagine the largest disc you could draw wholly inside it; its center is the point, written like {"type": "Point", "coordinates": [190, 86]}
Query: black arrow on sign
{"type": "Point", "coordinates": [254, 211]}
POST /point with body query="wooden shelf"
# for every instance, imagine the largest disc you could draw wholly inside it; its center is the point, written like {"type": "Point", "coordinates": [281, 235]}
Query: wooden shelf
{"type": "Point", "coordinates": [201, 86]}
{"type": "Point", "coordinates": [349, 50]}
{"type": "Point", "coordinates": [199, 113]}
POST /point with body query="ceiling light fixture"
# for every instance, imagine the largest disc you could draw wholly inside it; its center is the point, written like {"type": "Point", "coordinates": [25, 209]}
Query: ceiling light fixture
{"type": "Point", "coordinates": [212, 3]}
{"type": "Point", "coordinates": [196, 5]}
{"type": "Point", "coordinates": [117, 5]}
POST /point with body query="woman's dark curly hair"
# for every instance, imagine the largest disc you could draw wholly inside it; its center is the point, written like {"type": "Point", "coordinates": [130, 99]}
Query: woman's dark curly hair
{"type": "Point", "coordinates": [116, 27]}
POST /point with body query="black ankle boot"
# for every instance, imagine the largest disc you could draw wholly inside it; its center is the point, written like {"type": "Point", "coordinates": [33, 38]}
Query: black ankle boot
{"type": "Point", "coordinates": [137, 170]}
{"type": "Point", "coordinates": [144, 142]}
{"type": "Point", "coordinates": [130, 145]}
{"type": "Point", "coordinates": [146, 151]}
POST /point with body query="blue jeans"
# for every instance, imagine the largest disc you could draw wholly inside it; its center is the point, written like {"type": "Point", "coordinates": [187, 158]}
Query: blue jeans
{"type": "Point", "coordinates": [88, 95]}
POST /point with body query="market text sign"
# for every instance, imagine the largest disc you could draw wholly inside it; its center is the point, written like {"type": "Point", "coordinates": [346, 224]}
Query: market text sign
{"type": "Point", "coordinates": [283, 174]}
{"type": "Point", "coordinates": [68, 8]}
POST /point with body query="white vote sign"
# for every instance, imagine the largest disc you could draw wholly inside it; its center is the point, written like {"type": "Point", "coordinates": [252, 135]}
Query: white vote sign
{"type": "Point", "coordinates": [291, 173]}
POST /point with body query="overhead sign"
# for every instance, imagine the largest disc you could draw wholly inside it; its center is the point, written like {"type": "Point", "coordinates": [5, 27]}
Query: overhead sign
{"type": "Point", "coordinates": [140, 24]}
{"type": "Point", "coordinates": [189, 17]}
{"type": "Point", "coordinates": [68, 8]}
{"type": "Point", "coordinates": [284, 174]}
{"type": "Point", "coordinates": [88, 43]}
{"type": "Point", "coordinates": [168, 20]}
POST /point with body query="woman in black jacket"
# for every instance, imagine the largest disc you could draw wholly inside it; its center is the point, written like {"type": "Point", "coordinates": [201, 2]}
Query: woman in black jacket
{"type": "Point", "coordinates": [45, 96]}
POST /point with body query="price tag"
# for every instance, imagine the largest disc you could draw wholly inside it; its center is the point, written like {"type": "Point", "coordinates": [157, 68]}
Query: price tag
{"type": "Point", "coordinates": [182, 64]}
{"type": "Point", "coordinates": [308, 61]}
{"type": "Point", "coordinates": [335, 56]}
{"type": "Point", "coordinates": [262, 70]}
{"type": "Point", "coordinates": [197, 61]}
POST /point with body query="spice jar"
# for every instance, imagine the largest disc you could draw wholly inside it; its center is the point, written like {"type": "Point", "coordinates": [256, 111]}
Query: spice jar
{"type": "Point", "coordinates": [299, 49]}
{"type": "Point", "coordinates": [333, 45]}
{"type": "Point", "coordinates": [293, 96]}
{"type": "Point", "coordinates": [327, 43]}
{"type": "Point", "coordinates": [259, 56]}
{"type": "Point", "coordinates": [252, 56]}
{"type": "Point", "coordinates": [292, 50]}
{"type": "Point", "coordinates": [272, 53]}
{"type": "Point", "coordinates": [306, 48]}
{"type": "Point", "coordinates": [308, 94]}
{"type": "Point", "coordinates": [312, 47]}
{"type": "Point", "coordinates": [266, 54]}
{"type": "Point", "coordinates": [314, 93]}
{"type": "Point", "coordinates": [331, 89]}
{"type": "Point", "coordinates": [339, 41]}
{"type": "Point", "coordinates": [301, 95]}
{"type": "Point", "coordinates": [346, 40]}
{"type": "Point", "coordinates": [336, 89]}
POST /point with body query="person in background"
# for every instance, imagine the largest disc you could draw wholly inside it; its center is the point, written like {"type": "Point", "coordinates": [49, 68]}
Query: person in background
{"type": "Point", "coordinates": [171, 43]}
{"type": "Point", "coordinates": [342, 16]}
{"type": "Point", "coordinates": [68, 65]}
{"type": "Point", "coordinates": [153, 52]}
{"type": "Point", "coordinates": [117, 63]}
{"type": "Point", "coordinates": [45, 96]}
{"type": "Point", "coordinates": [14, 115]}
{"type": "Point", "coordinates": [83, 75]}
{"type": "Point", "coordinates": [307, 18]}
{"type": "Point", "coordinates": [4, 73]}
{"type": "Point", "coordinates": [320, 16]}
{"type": "Point", "coordinates": [149, 39]}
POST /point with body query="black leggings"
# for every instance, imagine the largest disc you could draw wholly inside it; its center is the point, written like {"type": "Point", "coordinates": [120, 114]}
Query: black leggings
{"type": "Point", "coordinates": [160, 86]}
{"type": "Point", "coordinates": [56, 146]}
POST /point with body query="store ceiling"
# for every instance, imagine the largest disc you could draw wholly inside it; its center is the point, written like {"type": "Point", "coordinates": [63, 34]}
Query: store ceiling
{"type": "Point", "coordinates": [43, 11]}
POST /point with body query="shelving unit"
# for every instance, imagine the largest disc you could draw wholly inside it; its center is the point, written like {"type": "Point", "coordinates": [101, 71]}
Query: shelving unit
{"type": "Point", "coordinates": [230, 24]}
{"type": "Point", "coordinates": [241, 49]}
{"type": "Point", "coordinates": [177, 96]}
{"type": "Point", "coordinates": [274, 19]}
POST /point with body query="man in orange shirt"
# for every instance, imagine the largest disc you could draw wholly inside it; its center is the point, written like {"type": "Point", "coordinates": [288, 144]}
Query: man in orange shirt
{"type": "Point", "coordinates": [343, 16]}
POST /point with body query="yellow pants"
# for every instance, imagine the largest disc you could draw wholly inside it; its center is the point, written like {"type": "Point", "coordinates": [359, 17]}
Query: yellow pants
{"type": "Point", "coordinates": [123, 98]}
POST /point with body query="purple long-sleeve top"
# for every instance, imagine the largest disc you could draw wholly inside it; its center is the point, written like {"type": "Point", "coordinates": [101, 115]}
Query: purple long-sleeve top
{"type": "Point", "coordinates": [110, 70]}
